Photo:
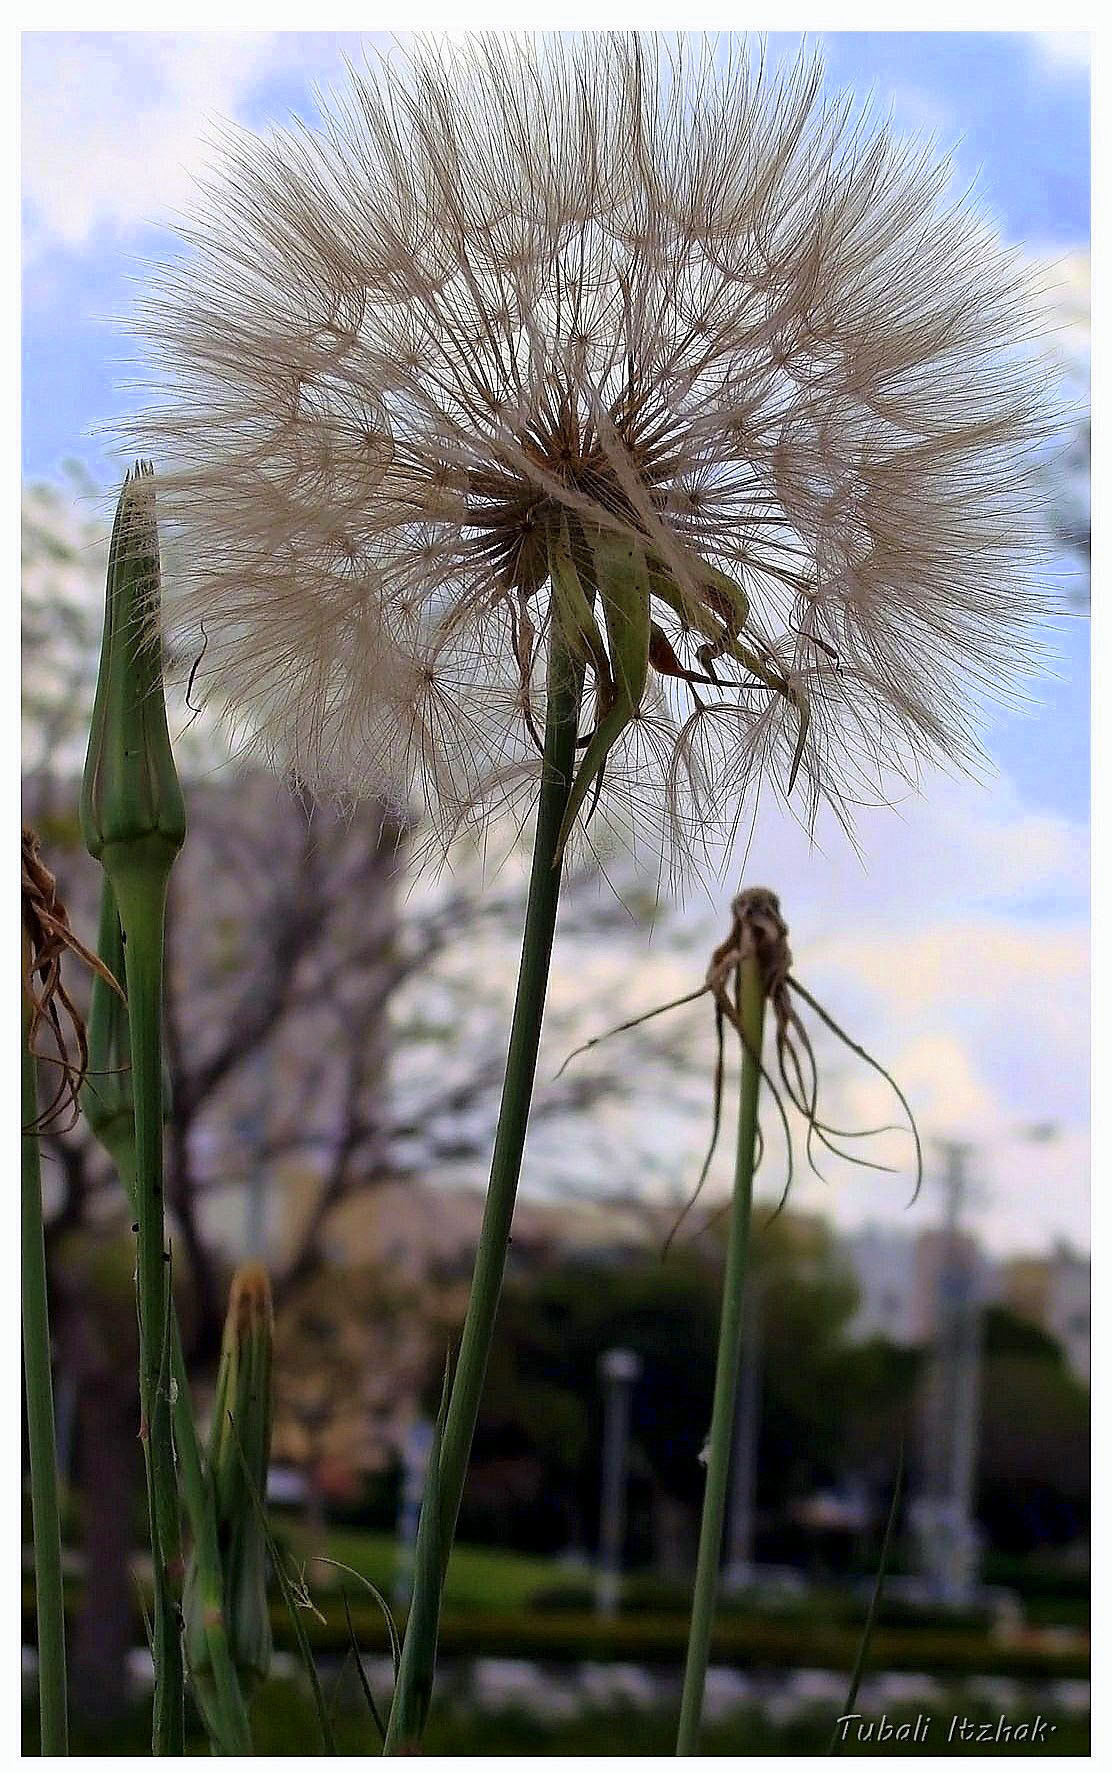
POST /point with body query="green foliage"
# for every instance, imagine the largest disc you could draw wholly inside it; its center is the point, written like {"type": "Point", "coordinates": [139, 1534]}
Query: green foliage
{"type": "Point", "coordinates": [1007, 1336]}
{"type": "Point", "coordinates": [1033, 1465]}
{"type": "Point", "coordinates": [542, 1399]}
{"type": "Point", "coordinates": [535, 1473]}
{"type": "Point", "coordinates": [807, 1300]}
{"type": "Point", "coordinates": [657, 1639]}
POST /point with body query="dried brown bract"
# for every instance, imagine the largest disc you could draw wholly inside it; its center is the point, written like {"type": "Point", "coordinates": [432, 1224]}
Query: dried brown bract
{"type": "Point", "coordinates": [47, 938]}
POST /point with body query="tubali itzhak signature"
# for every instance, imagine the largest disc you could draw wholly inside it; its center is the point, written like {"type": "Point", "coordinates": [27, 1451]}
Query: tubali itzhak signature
{"type": "Point", "coordinates": [854, 1726]}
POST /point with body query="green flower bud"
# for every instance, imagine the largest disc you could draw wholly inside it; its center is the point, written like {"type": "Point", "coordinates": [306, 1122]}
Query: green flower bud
{"type": "Point", "coordinates": [239, 1456]}
{"type": "Point", "coordinates": [132, 811]}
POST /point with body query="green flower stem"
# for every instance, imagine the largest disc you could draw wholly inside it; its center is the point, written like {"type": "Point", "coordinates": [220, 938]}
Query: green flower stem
{"type": "Point", "coordinates": [107, 1101]}
{"type": "Point", "coordinates": [517, 1091]}
{"type": "Point", "coordinates": [565, 682]}
{"type": "Point", "coordinates": [232, 1732]}
{"type": "Point", "coordinates": [751, 1002]}
{"type": "Point", "coordinates": [54, 1737]}
{"type": "Point", "coordinates": [141, 897]}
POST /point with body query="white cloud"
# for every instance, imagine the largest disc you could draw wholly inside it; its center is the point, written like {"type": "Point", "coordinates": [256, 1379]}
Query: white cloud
{"type": "Point", "coordinates": [116, 125]}
{"type": "Point", "coordinates": [958, 957]}
{"type": "Point", "coordinates": [962, 845]}
{"type": "Point", "coordinates": [1064, 51]}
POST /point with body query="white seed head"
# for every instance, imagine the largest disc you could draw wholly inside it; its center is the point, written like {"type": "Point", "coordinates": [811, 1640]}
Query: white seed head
{"type": "Point", "coordinates": [651, 286]}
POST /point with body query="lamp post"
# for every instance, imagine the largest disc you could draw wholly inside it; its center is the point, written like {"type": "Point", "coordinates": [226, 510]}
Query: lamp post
{"type": "Point", "coordinates": [619, 1369]}
{"type": "Point", "coordinates": [944, 1510]}
{"type": "Point", "coordinates": [415, 1462]}
{"type": "Point", "coordinates": [945, 1507]}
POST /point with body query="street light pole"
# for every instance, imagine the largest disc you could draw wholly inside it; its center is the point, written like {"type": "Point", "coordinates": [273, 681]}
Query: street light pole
{"type": "Point", "coordinates": [620, 1369]}
{"type": "Point", "coordinates": [747, 1426]}
{"type": "Point", "coordinates": [945, 1508]}
{"type": "Point", "coordinates": [415, 1463]}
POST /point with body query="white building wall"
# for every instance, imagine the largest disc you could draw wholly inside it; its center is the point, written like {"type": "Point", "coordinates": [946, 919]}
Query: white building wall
{"type": "Point", "coordinates": [884, 1266]}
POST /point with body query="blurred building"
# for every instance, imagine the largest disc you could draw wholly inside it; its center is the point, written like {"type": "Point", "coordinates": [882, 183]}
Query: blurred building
{"type": "Point", "coordinates": [1054, 1292]}
{"type": "Point", "coordinates": [898, 1276]}
{"type": "Point", "coordinates": [883, 1264]}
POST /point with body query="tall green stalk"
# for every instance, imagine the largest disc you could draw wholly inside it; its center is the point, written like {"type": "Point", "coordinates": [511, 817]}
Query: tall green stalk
{"type": "Point", "coordinates": [107, 1101]}
{"type": "Point", "coordinates": [561, 729]}
{"type": "Point", "coordinates": [751, 1010]}
{"type": "Point", "coordinates": [54, 1735]}
{"type": "Point", "coordinates": [141, 901]}
{"type": "Point", "coordinates": [565, 683]}
{"type": "Point", "coordinates": [133, 822]}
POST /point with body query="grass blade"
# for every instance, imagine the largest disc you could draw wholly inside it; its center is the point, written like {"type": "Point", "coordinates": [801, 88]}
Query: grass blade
{"type": "Point", "coordinates": [874, 1606]}
{"type": "Point", "coordinates": [391, 1628]}
{"type": "Point", "coordinates": [413, 1682]}
{"type": "Point", "coordinates": [294, 1605]}
{"type": "Point", "coordinates": [361, 1671]}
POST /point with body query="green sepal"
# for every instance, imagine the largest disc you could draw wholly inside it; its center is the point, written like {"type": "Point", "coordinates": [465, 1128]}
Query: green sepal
{"type": "Point", "coordinates": [573, 611]}
{"type": "Point", "coordinates": [622, 577]}
{"type": "Point", "coordinates": [107, 1099]}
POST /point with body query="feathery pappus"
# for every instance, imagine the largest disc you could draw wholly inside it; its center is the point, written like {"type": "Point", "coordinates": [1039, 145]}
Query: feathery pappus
{"type": "Point", "coordinates": [524, 307]}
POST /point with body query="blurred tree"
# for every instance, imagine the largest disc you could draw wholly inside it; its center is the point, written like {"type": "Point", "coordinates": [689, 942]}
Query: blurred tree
{"type": "Point", "coordinates": [1033, 1470]}
{"type": "Point", "coordinates": [542, 1407]}
{"type": "Point", "coordinates": [808, 1297]}
{"type": "Point", "coordinates": [96, 1335]}
{"type": "Point", "coordinates": [535, 1478]}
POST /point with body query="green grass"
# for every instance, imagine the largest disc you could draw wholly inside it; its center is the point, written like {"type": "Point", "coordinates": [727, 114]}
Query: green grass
{"type": "Point", "coordinates": [478, 1577]}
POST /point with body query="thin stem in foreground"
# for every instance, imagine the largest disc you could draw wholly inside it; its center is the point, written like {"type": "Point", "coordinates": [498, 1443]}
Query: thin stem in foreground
{"type": "Point", "coordinates": [836, 1739]}
{"type": "Point", "coordinates": [561, 730]}
{"type": "Point", "coordinates": [53, 1727]}
{"type": "Point", "coordinates": [751, 1009]}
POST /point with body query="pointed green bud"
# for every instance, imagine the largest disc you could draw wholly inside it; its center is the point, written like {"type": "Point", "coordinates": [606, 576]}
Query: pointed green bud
{"type": "Point", "coordinates": [132, 811]}
{"type": "Point", "coordinates": [239, 1457]}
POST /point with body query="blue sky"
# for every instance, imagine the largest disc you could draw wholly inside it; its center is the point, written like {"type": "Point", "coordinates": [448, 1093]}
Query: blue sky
{"type": "Point", "coordinates": [115, 128]}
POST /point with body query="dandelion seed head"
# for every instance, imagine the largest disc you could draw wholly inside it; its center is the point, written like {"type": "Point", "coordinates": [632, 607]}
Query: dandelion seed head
{"type": "Point", "coordinates": [634, 285]}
